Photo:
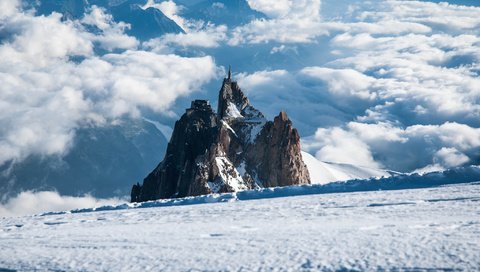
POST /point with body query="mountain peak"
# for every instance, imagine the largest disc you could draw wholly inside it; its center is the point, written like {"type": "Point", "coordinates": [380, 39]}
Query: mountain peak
{"type": "Point", "coordinates": [282, 116]}
{"type": "Point", "coordinates": [233, 103]}
{"type": "Point", "coordinates": [232, 150]}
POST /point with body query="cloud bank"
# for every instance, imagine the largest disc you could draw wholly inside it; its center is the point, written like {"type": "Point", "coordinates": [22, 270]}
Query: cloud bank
{"type": "Point", "coordinates": [290, 22]}
{"type": "Point", "coordinates": [400, 88]}
{"type": "Point", "coordinates": [53, 81]}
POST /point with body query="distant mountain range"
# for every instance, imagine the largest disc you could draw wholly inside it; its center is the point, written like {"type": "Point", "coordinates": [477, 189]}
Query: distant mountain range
{"type": "Point", "coordinates": [145, 23]}
{"type": "Point", "coordinates": [151, 22]}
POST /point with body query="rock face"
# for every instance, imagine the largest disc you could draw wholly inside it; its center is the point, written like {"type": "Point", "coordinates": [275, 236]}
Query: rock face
{"type": "Point", "coordinates": [232, 150]}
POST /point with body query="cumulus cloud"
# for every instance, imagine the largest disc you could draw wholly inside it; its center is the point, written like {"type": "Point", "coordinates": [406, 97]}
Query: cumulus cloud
{"type": "Point", "coordinates": [338, 145]}
{"type": "Point", "coordinates": [112, 34]}
{"type": "Point", "coordinates": [207, 36]}
{"type": "Point", "coordinates": [342, 82]}
{"type": "Point", "coordinates": [53, 81]}
{"type": "Point", "coordinates": [290, 22]}
{"type": "Point", "coordinates": [29, 203]}
{"type": "Point", "coordinates": [8, 8]}
{"type": "Point", "coordinates": [450, 157]}
{"type": "Point", "coordinates": [273, 9]}
{"type": "Point", "coordinates": [404, 149]}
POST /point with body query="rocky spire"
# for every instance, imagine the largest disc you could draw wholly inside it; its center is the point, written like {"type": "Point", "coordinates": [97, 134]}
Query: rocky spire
{"type": "Point", "coordinates": [233, 103]}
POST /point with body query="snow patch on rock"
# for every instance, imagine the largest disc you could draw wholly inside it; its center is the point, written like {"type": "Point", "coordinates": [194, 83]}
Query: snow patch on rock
{"type": "Point", "coordinates": [232, 111]}
{"type": "Point", "coordinates": [229, 175]}
{"type": "Point", "coordinates": [252, 130]}
{"type": "Point", "coordinates": [229, 127]}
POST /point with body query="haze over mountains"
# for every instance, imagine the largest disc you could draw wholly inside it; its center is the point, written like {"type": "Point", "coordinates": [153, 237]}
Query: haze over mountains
{"type": "Point", "coordinates": [367, 84]}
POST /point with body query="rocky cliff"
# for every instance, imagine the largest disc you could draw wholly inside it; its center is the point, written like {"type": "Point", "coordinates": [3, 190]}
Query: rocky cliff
{"type": "Point", "coordinates": [231, 150]}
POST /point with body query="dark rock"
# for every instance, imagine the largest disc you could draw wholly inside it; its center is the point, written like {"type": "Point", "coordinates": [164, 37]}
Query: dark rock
{"type": "Point", "coordinates": [278, 147]}
{"type": "Point", "coordinates": [236, 149]}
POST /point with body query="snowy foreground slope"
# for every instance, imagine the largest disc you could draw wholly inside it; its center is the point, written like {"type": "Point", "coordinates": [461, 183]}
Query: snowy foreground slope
{"type": "Point", "coordinates": [414, 229]}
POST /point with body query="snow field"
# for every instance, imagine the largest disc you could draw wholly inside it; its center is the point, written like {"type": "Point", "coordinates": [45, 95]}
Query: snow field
{"type": "Point", "coordinates": [433, 228]}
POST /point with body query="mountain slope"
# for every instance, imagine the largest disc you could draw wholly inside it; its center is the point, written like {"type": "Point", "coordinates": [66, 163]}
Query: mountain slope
{"type": "Point", "coordinates": [103, 162]}
{"type": "Point", "coordinates": [325, 172]}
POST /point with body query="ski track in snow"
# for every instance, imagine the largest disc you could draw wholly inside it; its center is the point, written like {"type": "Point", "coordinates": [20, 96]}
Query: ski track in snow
{"type": "Point", "coordinates": [416, 229]}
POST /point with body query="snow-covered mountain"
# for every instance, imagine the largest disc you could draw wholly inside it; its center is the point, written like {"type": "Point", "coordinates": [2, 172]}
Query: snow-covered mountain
{"type": "Point", "coordinates": [233, 149]}
{"type": "Point", "coordinates": [325, 172]}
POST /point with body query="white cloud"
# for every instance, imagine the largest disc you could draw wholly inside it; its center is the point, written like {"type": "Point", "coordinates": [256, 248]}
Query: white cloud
{"type": "Point", "coordinates": [291, 22]}
{"type": "Point", "coordinates": [41, 41]}
{"type": "Point", "coordinates": [341, 146]}
{"type": "Point", "coordinates": [45, 95]}
{"type": "Point", "coordinates": [404, 149]}
{"type": "Point", "coordinates": [450, 157]}
{"type": "Point", "coordinates": [209, 36]}
{"type": "Point", "coordinates": [443, 15]}
{"type": "Point", "coordinates": [421, 69]}
{"type": "Point", "coordinates": [287, 8]}
{"type": "Point", "coordinates": [271, 8]}
{"type": "Point", "coordinates": [342, 82]}
{"type": "Point", "coordinates": [112, 33]}
{"type": "Point", "coordinates": [29, 203]}
{"type": "Point", "coordinates": [308, 105]}
{"type": "Point", "coordinates": [8, 8]}
{"type": "Point", "coordinates": [283, 49]}
{"type": "Point", "coordinates": [283, 31]}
